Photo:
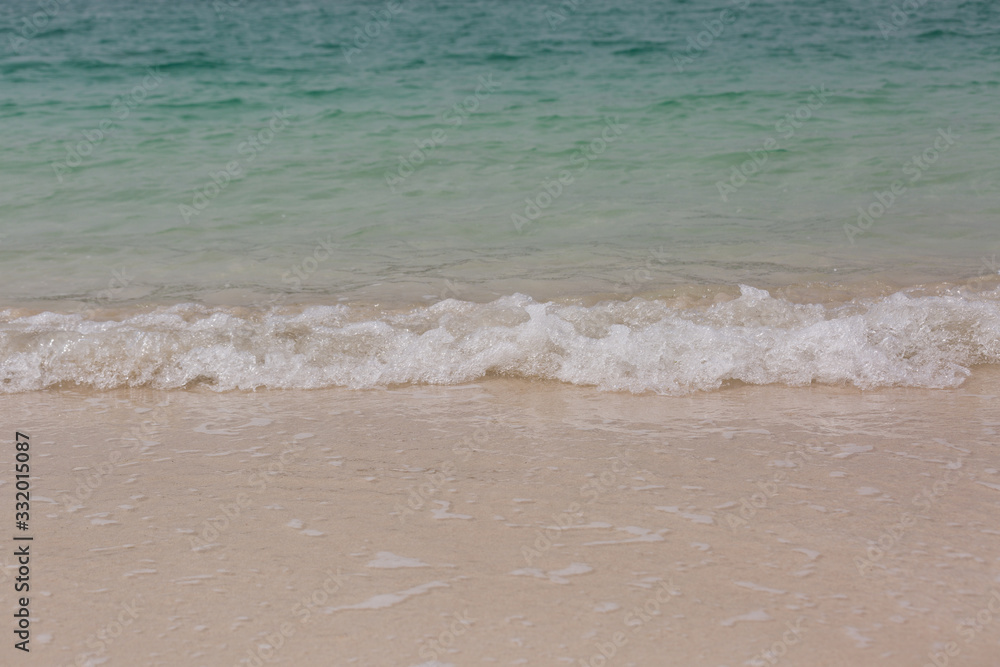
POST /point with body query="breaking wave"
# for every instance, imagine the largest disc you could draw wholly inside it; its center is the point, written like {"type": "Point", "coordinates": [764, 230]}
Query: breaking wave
{"type": "Point", "coordinates": [637, 346]}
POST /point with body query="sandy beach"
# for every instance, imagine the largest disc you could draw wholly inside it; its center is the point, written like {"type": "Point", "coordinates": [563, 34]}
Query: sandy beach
{"type": "Point", "coordinates": [445, 334]}
{"type": "Point", "coordinates": [513, 522]}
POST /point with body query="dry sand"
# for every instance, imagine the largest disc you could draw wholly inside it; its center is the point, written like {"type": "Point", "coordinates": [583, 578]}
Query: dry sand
{"type": "Point", "coordinates": [510, 522]}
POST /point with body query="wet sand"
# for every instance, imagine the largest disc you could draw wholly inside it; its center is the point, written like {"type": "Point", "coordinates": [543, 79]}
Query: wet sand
{"type": "Point", "coordinates": [512, 522]}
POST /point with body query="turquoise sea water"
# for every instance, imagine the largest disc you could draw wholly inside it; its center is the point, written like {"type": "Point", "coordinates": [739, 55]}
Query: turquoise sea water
{"type": "Point", "coordinates": [388, 156]}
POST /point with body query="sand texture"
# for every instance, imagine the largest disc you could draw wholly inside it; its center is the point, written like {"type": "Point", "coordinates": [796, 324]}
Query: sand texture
{"type": "Point", "coordinates": [511, 522]}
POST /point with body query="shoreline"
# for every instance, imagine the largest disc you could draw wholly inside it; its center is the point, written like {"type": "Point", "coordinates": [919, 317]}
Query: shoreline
{"type": "Point", "coordinates": [607, 283]}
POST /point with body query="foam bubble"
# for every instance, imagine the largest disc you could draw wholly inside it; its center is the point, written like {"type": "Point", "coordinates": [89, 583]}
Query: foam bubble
{"type": "Point", "coordinates": [639, 345]}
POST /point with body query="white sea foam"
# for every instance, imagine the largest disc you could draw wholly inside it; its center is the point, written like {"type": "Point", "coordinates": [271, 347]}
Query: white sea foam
{"type": "Point", "coordinates": [639, 345]}
{"type": "Point", "coordinates": [389, 560]}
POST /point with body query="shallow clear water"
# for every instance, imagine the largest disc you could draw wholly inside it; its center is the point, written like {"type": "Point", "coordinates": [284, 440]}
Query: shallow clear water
{"type": "Point", "coordinates": [245, 153]}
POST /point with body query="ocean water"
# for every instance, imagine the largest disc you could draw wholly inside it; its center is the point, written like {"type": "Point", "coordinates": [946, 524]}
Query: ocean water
{"type": "Point", "coordinates": [636, 196]}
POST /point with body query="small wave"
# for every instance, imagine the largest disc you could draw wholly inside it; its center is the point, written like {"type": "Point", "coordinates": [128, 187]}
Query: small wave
{"type": "Point", "coordinates": [644, 49]}
{"type": "Point", "coordinates": [637, 346]}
